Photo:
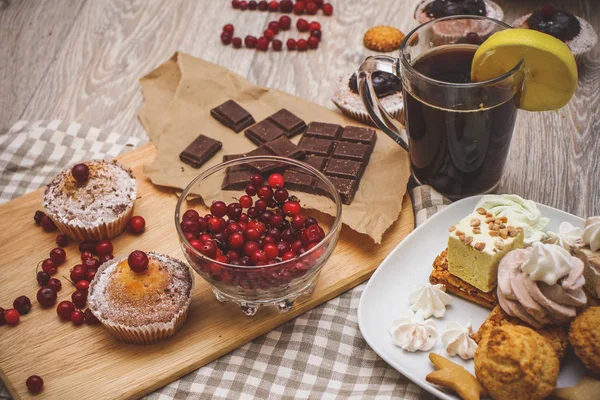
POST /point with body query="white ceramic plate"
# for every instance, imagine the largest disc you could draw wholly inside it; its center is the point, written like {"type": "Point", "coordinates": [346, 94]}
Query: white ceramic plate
{"type": "Point", "coordinates": [407, 267]}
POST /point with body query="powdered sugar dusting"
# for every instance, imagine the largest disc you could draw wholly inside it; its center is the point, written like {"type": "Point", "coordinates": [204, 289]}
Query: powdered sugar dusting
{"type": "Point", "coordinates": [346, 99]}
{"type": "Point", "coordinates": [109, 192]}
{"type": "Point", "coordinates": [162, 307]}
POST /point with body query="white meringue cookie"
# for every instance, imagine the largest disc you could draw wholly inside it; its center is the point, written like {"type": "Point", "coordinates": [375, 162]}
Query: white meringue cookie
{"type": "Point", "coordinates": [566, 237]}
{"type": "Point", "coordinates": [430, 300]}
{"type": "Point", "coordinates": [411, 332]}
{"type": "Point", "coordinates": [457, 340]}
{"type": "Point", "coordinates": [591, 233]}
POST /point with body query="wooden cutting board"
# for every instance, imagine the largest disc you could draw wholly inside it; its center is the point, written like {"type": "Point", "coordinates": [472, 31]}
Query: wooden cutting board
{"type": "Point", "coordinates": [87, 362]}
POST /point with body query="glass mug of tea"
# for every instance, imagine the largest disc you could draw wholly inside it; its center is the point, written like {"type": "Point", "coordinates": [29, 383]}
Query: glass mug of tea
{"type": "Point", "coordinates": [457, 132]}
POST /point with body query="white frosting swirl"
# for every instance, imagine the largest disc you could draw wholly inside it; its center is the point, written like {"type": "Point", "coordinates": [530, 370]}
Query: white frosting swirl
{"type": "Point", "coordinates": [457, 340]}
{"type": "Point", "coordinates": [519, 212]}
{"type": "Point", "coordinates": [591, 233]}
{"type": "Point", "coordinates": [566, 237]}
{"type": "Point", "coordinates": [547, 263]}
{"type": "Point", "coordinates": [411, 332]}
{"type": "Point", "coordinates": [430, 300]}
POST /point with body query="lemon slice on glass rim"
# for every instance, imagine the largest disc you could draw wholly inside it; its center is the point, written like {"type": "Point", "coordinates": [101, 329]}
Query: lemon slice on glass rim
{"type": "Point", "coordinates": [550, 71]}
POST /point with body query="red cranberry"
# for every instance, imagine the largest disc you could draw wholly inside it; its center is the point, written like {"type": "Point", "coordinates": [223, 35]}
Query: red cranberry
{"type": "Point", "coordinates": [547, 11]}
{"type": "Point", "coordinates": [22, 304]}
{"type": "Point", "coordinates": [232, 255]}
{"type": "Point", "coordinates": [310, 221]}
{"type": "Point", "coordinates": [274, 26]}
{"type": "Point", "coordinates": [235, 4]}
{"type": "Point", "coordinates": [81, 172]}
{"type": "Point", "coordinates": [473, 38]}
{"type": "Point", "coordinates": [196, 244]}
{"type": "Point", "coordinates": [313, 42]}
{"type": "Point", "coordinates": [90, 275]}
{"type": "Point", "coordinates": [262, 43]}
{"type": "Point", "coordinates": [313, 233]}
{"type": "Point", "coordinates": [236, 42]}
{"type": "Point", "coordinates": [250, 190]}
{"type": "Point", "coordinates": [208, 249]}
{"type": "Point", "coordinates": [253, 212]}
{"type": "Point", "coordinates": [291, 208]}
{"type": "Point", "coordinates": [283, 247]}
{"type": "Point", "coordinates": [263, 5]}
{"type": "Point", "coordinates": [258, 256]}
{"type": "Point", "coordinates": [35, 384]}
{"type": "Point", "coordinates": [190, 214]}
{"type": "Point", "coordinates": [234, 210]}
{"type": "Point", "coordinates": [246, 201]}
{"type": "Point", "coordinates": [62, 240]}
{"type": "Point", "coordinates": [225, 38]}
{"type": "Point", "coordinates": [276, 181]}
{"type": "Point", "coordinates": [91, 263]}
{"type": "Point", "coordinates": [288, 256]}
{"type": "Point", "coordinates": [222, 259]}
{"type": "Point", "coordinates": [260, 206]}
{"type": "Point", "coordinates": [269, 34]}
{"type": "Point", "coordinates": [82, 285]}
{"type": "Point", "coordinates": [243, 5]}
{"type": "Point", "coordinates": [256, 180]}
{"type": "Point", "coordinates": [64, 310]}
{"type": "Point", "coordinates": [228, 28]}
{"type": "Point", "coordinates": [250, 248]}
{"type": "Point", "coordinates": [214, 224]}
{"type": "Point", "coordinates": [299, 8]}
{"type": "Point", "coordinates": [265, 193]}
{"type": "Point", "coordinates": [298, 222]}
{"type": "Point", "coordinates": [218, 209]}
{"type": "Point", "coordinates": [54, 284]}
{"type": "Point", "coordinates": [286, 6]}
{"type": "Point", "coordinates": [79, 298]}
{"type": "Point", "coordinates": [285, 22]}
{"type": "Point", "coordinates": [250, 41]}
{"type": "Point", "coordinates": [2, 320]}
{"type": "Point", "coordinates": [252, 5]}
{"type": "Point", "coordinates": [273, 6]}
{"type": "Point", "coordinates": [271, 251]}
{"type": "Point", "coordinates": [281, 195]}
{"type": "Point", "coordinates": [236, 241]}
{"type": "Point", "coordinates": [302, 25]}
{"type": "Point", "coordinates": [327, 9]}
{"type": "Point", "coordinates": [138, 261]}
{"type": "Point", "coordinates": [137, 224]}
{"type": "Point", "coordinates": [105, 257]}
{"type": "Point", "coordinates": [11, 316]}
{"type": "Point", "coordinates": [49, 266]}
{"type": "Point", "coordinates": [252, 234]}
{"type": "Point", "coordinates": [259, 226]}
{"type": "Point", "coordinates": [302, 45]}
{"type": "Point", "coordinates": [37, 217]}
{"type": "Point", "coordinates": [77, 317]}
{"type": "Point", "coordinates": [42, 278]}
{"type": "Point", "coordinates": [205, 237]}
{"type": "Point", "coordinates": [314, 26]}
{"type": "Point", "coordinates": [319, 3]}
{"type": "Point", "coordinates": [86, 255]}
{"type": "Point", "coordinates": [90, 318]}
{"type": "Point", "coordinates": [276, 220]}
{"type": "Point", "coordinates": [47, 224]}
{"type": "Point", "coordinates": [288, 235]}
{"type": "Point", "coordinates": [296, 245]}
{"type": "Point", "coordinates": [243, 224]}
{"type": "Point", "coordinates": [233, 227]}
{"type": "Point", "coordinates": [190, 225]}
{"type": "Point", "coordinates": [311, 8]}
{"type": "Point", "coordinates": [88, 245]}
{"type": "Point", "coordinates": [46, 297]}
{"type": "Point", "coordinates": [316, 33]}
{"type": "Point", "coordinates": [58, 255]}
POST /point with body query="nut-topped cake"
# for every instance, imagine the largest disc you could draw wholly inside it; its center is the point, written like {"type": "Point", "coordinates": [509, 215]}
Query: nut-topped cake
{"type": "Point", "coordinates": [92, 200]}
{"type": "Point", "coordinates": [143, 298]}
{"type": "Point", "coordinates": [477, 244]}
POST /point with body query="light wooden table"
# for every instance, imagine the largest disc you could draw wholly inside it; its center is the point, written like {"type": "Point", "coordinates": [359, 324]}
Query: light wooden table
{"type": "Point", "coordinates": [80, 60]}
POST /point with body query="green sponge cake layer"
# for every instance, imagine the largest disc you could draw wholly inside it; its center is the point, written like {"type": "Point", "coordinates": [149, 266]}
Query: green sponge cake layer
{"type": "Point", "coordinates": [477, 244]}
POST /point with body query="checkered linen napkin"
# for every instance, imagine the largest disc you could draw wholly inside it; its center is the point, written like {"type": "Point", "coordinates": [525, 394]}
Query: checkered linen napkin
{"type": "Point", "coordinates": [320, 354]}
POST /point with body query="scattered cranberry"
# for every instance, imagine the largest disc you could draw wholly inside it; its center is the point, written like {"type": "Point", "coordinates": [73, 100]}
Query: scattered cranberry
{"type": "Point", "coordinates": [473, 38]}
{"type": "Point", "coordinates": [11, 316]}
{"type": "Point", "coordinates": [291, 44]}
{"type": "Point", "coordinates": [137, 224]}
{"type": "Point", "coordinates": [313, 42]}
{"type": "Point", "coordinates": [311, 8]}
{"type": "Point", "coordinates": [49, 266]}
{"type": "Point", "coordinates": [37, 217]}
{"type": "Point", "coordinates": [86, 255]}
{"type": "Point", "coordinates": [236, 241]}
{"type": "Point", "coordinates": [88, 245]}
{"type": "Point", "coordinates": [81, 172]}
{"type": "Point", "coordinates": [250, 42]}
{"type": "Point", "coordinates": [299, 8]}
{"type": "Point", "coordinates": [273, 6]}
{"type": "Point", "coordinates": [256, 180]}
{"type": "Point", "coordinates": [262, 43]}
{"type": "Point", "coordinates": [327, 9]}
{"type": "Point", "coordinates": [90, 318]}
{"type": "Point", "coordinates": [225, 38]}
{"type": "Point", "coordinates": [291, 208]}
{"type": "Point", "coordinates": [285, 22]}
{"type": "Point", "coordinates": [302, 25]}
{"type": "Point", "coordinates": [316, 33]}
{"type": "Point", "coordinates": [78, 273]}
{"type": "Point", "coordinates": [46, 297]}
{"type": "Point", "coordinates": [190, 214]}
{"type": "Point", "coordinates": [62, 240]}
{"type": "Point", "coordinates": [77, 317]}
{"type": "Point", "coordinates": [236, 42]}
{"type": "Point", "coordinates": [42, 278]}
{"type": "Point", "coordinates": [263, 5]}
{"type": "Point", "coordinates": [269, 34]}
{"type": "Point", "coordinates": [286, 6]}
{"type": "Point", "coordinates": [82, 285]}
{"type": "Point", "coordinates": [246, 201]}
{"type": "Point", "coordinates": [47, 224]}
{"type": "Point", "coordinates": [104, 247]}
{"type": "Point", "coordinates": [234, 210]}
{"type": "Point", "coordinates": [228, 28]}
{"type": "Point", "coordinates": [105, 257]}
{"type": "Point", "coordinates": [314, 26]}
{"type": "Point", "coordinates": [252, 5]}
{"type": "Point", "coordinates": [22, 304]}
{"type": "Point", "coordinates": [58, 255]}
{"type": "Point", "coordinates": [79, 298]}
{"type": "Point", "coordinates": [277, 45]}
{"type": "Point", "coordinates": [302, 45]}
{"type": "Point", "coordinates": [235, 4]}
{"type": "Point", "coordinates": [274, 26]}
{"type": "Point", "coordinates": [138, 261]}
{"type": "Point", "coordinates": [35, 384]}
{"type": "Point", "coordinates": [243, 5]}
{"type": "Point", "coordinates": [276, 181]}
{"type": "Point", "coordinates": [319, 3]}
{"type": "Point", "coordinates": [90, 275]}
{"type": "Point", "coordinates": [64, 310]}
{"type": "Point", "coordinates": [54, 284]}
{"type": "Point", "coordinates": [288, 256]}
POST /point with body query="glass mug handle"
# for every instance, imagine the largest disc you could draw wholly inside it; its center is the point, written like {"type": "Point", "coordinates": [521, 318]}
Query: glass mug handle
{"type": "Point", "coordinates": [388, 124]}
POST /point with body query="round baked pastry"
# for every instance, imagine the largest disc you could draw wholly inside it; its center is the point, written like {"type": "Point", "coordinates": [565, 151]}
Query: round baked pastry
{"type": "Point", "coordinates": [515, 362]}
{"type": "Point", "coordinates": [97, 207]}
{"type": "Point", "coordinates": [584, 336]}
{"type": "Point", "coordinates": [388, 89]}
{"type": "Point", "coordinates": [575, 32]}
{"type": "Point", "coordinates": [142, 307]}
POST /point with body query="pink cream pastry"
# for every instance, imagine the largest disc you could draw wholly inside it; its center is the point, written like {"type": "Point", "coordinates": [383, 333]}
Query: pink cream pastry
{"type": "Point", "coordinates": [541, 285]}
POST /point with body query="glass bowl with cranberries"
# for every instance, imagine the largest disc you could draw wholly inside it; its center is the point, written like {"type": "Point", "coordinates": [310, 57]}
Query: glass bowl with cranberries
{"type": "Point", "coordinates": [259, 229]}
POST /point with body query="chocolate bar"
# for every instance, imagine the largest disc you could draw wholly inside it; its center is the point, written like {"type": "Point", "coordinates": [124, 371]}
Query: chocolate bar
{"type": "Point", "coordinates": [200, 151]}
{"type": "Point", "coordinates": [263, 132]}
{"type": "Point", "coordinates": [232, 115]}
{"type": "Point", "coordinates": [341, 154]}
{"type": "Point", "coordinates": [288, 122]}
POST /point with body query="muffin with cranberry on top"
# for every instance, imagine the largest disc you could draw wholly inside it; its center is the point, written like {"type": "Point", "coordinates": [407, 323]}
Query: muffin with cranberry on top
{"type": "Point", "coordinates": [574, 31]}
{"type": "Point", "coordinates": [92, 200]}
{"type": "Point", "coordinates": [143, 298]}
